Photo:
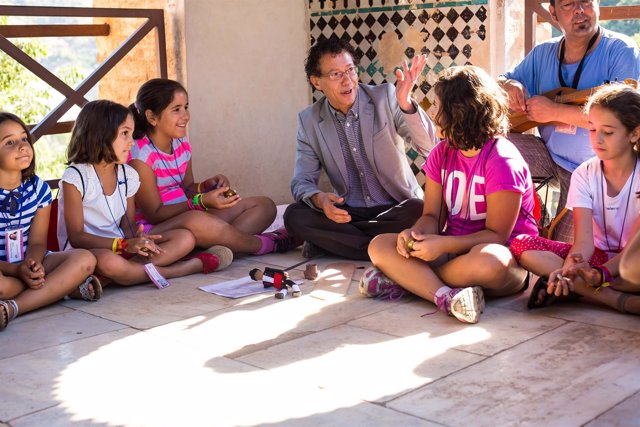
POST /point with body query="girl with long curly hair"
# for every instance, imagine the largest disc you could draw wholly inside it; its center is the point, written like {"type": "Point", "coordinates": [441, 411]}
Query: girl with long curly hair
{"type": "Point", "coordinates": [479, 196]}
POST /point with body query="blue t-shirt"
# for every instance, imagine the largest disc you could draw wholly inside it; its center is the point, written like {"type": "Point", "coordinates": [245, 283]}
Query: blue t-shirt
{"type": "Point", "coordinates": [616, 57]}
{"type": "Point", "coordinates": [19, 206]}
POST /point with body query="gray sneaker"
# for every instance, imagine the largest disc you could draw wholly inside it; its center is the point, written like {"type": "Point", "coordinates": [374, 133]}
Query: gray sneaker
{"type": "Point", "coordinates": [375, 284]}
{"type": "Point", "coordinates": [465, 304]}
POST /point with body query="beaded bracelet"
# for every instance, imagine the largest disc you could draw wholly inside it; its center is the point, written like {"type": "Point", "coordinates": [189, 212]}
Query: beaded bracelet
{"type": "Point", "coordinates": [605, 277]}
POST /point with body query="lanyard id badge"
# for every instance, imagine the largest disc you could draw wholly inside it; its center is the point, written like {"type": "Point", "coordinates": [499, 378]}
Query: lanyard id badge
{"type": "Point", "coordinates": [14, 247]}
{"type": "Point", "coordinates": [567, 129]}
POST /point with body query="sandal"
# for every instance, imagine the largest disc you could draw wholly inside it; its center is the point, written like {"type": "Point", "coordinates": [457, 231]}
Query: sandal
{"type": "Point", "coordinates": [5, 318]}
{"type": "Point", "coordinates": [547, 299]}
{"type": "Point", "coordinates": [85, 295]}
{"type": "Point", "coordinates": [224, 254]}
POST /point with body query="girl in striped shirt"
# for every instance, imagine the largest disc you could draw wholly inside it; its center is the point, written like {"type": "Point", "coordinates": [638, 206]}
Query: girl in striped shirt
{"type": "Point", "coordinates": [171, 198]}
{"type": "Point", "coordinates": [97, 211]}
{"type": "Point", "coordinates": [30, 277]}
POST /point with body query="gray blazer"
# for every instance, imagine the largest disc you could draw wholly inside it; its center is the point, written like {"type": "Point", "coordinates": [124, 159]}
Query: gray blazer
{"type": "Point", "coordinates": [385, 128]}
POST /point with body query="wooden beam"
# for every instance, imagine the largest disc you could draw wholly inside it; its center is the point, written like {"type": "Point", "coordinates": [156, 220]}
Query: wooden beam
{"type": "Point", "coordinates": [619, 12]}
{"type": "Point", "coordinates": [89, 30]}
{"type": "Point", "coordinates": [58, 128]}
{"type": "Point", "coordinates": [612, 13]}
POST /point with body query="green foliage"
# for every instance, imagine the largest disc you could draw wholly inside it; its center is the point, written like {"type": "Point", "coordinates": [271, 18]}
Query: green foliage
{"type": "Point", "coordinates": [22, 93]}
{"type": "Point", "coordinates": [28, 97]}
{"type": "Point", "coordinates": [51, 156]}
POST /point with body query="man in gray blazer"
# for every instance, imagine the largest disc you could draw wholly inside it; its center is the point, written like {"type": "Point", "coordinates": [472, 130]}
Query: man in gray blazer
{"type": "Point", "coordinates": [356, 133]}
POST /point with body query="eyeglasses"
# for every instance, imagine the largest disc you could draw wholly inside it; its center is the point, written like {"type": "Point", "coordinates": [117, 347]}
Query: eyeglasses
{"type": "Point", "coordinates": [569, 5]}
{"type": "Point", "coordinates": [338, 75]}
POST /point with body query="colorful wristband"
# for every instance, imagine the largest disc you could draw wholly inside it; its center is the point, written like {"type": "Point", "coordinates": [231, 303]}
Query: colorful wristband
{"type": "Point", "coordinates": [123, 245]}
{"type": "Point", "coordinates": [197, 202]}
{"type": "Point", "coordinates": [115, 245]}
{"type": "Point", "coordinates": [605, 277]}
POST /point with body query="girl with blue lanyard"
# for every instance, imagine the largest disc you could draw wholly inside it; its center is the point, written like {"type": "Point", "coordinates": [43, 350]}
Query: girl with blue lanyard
{"type": "Point", "coordinates": [30, 277]}
{"type": "Point", "coordinates": [96, 205]}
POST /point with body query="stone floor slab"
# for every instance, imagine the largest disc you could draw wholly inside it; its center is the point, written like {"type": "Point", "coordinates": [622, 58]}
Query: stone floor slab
{"type": "Point", "coordinates": [248, 328]}
{"type": "Point", "coordinates": [139, 379]}
{"type": "Point", "coordinates": [145, 306]}
{"type": "Point", "coordinates": [565, 377]}
{"type": "Point", "coordinates": [625, 414]}
{"type": "Point", "coordinates": [38, 332]}
{"type": "Point", "coordinates": [366, 364]}
{"type": "Point", "coordinates": [498, 329]}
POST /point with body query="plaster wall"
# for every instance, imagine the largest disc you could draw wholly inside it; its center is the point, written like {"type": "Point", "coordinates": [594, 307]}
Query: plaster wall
{"type": "Point", "coordinates": [141, 63]}
{"type": "Point", "coordinates": [246, 85]}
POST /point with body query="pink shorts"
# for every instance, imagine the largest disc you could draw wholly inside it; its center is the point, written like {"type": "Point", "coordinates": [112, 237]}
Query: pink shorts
{"type": "Point", "coordinates": [526, 242]}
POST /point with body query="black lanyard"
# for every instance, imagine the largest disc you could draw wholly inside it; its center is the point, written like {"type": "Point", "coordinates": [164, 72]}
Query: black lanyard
{"type": "Point", "coordinates": [576, 77]}
{"type": "Point", "coordinates": [180, 183]}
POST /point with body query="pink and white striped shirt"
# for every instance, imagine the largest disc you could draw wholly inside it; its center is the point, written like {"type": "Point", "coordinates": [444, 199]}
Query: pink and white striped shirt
{"type": "Point", "coordinates": [169, 169]}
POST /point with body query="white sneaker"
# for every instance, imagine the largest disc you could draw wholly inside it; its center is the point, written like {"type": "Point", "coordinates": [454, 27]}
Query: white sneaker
{"type": "Point", "coordinates": [465, 304]}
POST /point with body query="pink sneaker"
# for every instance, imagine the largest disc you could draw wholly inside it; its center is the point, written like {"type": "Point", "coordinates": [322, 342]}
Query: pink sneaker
{"type": "Point", "coordinates": [375, 284]}
{"type": "Point", "coordinates": [283, 240]}
{"type": "Point", "coordinates": [465, 304]}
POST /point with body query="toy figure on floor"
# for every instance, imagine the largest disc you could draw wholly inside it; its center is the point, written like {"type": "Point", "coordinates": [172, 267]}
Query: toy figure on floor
{"type": "Point", "coordinates": [279, 279]}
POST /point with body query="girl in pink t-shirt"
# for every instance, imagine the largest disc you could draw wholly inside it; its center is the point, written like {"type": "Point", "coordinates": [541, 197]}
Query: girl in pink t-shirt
{"type": "Point", "coordinates": [478, 196]}
{"type": "Point", "coordinates": [605, 213]}
{"type": "Point", "coordinates": [169, 197]}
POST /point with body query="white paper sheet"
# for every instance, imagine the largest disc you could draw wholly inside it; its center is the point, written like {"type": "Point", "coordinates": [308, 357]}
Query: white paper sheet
{"type": "Point", "coordinates": [239, 288]}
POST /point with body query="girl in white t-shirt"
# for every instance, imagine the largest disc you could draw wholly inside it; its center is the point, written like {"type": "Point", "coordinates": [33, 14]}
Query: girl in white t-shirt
{"type": "Point", "coordinates": [96, 206]}
{"type": "Point", "coordinates": [605, 211]}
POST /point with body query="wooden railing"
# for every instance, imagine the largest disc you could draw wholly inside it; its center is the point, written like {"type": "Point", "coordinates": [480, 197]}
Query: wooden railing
{"type": "Point", "coordinates": [154, 19]}
{"type": "Point", "coordinates": [535, 13]}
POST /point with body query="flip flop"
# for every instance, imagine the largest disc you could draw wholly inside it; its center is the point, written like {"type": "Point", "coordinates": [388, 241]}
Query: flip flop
{"type": "Point", "coordinates": [547, 299]}
{"type": "Point", "coordinates": [84, 289]}
{"type": "Point", "coordinates": [5, 318]}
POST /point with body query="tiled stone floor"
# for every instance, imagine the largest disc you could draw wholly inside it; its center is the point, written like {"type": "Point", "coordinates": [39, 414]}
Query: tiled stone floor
{"type": "Point", "coordinates": [182, 357]}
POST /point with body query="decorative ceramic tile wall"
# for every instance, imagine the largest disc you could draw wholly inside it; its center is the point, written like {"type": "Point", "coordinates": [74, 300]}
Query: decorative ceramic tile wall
{"type": "Point", "coordinates": [385, 32]}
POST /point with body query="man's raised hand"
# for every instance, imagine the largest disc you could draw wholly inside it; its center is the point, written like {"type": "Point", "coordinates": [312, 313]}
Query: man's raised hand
{"type": "Point", "coordinates": [407, 78]}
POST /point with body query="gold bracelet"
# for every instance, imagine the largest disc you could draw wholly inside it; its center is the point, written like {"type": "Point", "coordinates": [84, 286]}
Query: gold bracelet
{"type": "Point", "coordinates": [198, 188]}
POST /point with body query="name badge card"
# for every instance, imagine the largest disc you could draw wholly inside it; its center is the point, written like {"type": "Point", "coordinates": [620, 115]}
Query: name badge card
{"type": "Point", "coordinates": [155, 276]}
{"type": "Point", "coordinates": [567, 129]}
{"type": "Point", "coordinates": [14, 239]}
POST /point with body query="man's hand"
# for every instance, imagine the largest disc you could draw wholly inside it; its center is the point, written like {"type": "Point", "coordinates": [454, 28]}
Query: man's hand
{"type": "Point", "coordinates": [517, 95]}
{"type": "Point", "coordinates": [541, 109]}
{"type": "Point", "coordinates": [326, 202]}
{"type": "Point", "coordinates": [407, 78]}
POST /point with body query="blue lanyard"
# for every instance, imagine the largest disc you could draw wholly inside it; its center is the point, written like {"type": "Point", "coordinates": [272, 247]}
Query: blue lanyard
{"type": "Point", "coordinates": [13, 198]}
{"type": "Point", "coordinates": [106, 200]}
